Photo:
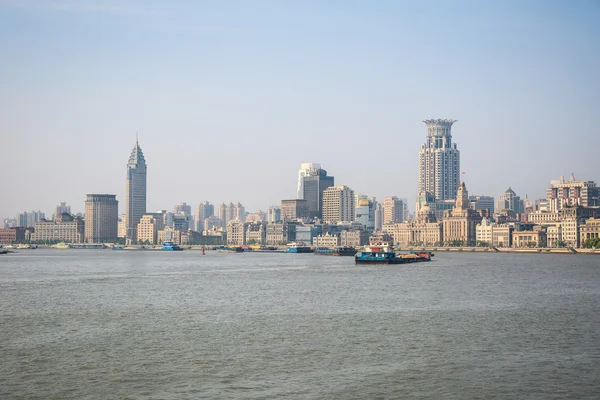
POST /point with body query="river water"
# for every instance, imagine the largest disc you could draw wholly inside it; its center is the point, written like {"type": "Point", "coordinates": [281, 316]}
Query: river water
{"type": "Point", "coordinates": [100, 324]}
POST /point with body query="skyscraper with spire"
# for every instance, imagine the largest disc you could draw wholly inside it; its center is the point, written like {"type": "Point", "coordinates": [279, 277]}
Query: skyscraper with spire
{"type": "Point", "coordinates": [135, 188]}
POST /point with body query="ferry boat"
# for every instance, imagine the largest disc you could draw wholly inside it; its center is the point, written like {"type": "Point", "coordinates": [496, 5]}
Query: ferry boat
{"type": "Point", "coordinates": [62, 246]}
{"type": "Point", "coordinates": [339, 251]}
{"type": "Point", "coordinates": [171, 246]}
{"type": "Point", "coordinates": [228, 249]}
{"type": "Point", "coordinates": [298, 248]}
{"type": "Point", "coordinates": [384, 254]}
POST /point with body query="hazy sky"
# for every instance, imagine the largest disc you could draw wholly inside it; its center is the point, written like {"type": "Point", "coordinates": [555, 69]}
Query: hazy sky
{"type": "Point", "coordinates": [230, 97]}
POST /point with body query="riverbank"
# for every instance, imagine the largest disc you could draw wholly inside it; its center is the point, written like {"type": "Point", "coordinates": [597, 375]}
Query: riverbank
{"type": "Point", "coordinates": [503, 250]}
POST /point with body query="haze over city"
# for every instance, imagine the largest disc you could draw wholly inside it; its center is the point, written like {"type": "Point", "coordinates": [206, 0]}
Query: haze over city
{"type": "Point", "coordinates": [228, 99]}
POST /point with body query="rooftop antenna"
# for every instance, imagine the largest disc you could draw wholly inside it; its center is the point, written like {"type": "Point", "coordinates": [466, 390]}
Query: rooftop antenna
{"type": "Point", "coordinates": [136, 137]}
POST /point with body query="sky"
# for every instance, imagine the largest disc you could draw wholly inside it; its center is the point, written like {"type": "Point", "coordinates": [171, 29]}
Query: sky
{"type": "Point", "coordinates": [230, 97]}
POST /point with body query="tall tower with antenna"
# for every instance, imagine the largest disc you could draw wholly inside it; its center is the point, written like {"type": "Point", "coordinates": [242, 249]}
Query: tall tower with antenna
{"type": "Point", "coordinates": [135, 191]}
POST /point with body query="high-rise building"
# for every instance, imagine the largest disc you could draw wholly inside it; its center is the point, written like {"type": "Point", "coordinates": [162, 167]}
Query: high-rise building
{"type": "Point", "coordinates": [61, 209]}
{"type": "Point", "coordinates": [240, 212]}
{"type": "Point", "coordinates": [485, 203]}
{"type": "Point", "coordinates": [378, 216]}
{"type": "Point", "coordinates": [183, 209]}
{"type": "Point", "coordinates": [314, 184]}
{"type": "Point", "coordinates": [204, 210]}
{"type": "Point", "coordinates": [211, 223]}
{"type": "Point", "coordinates": [510, 201]}
{"type": "Point", "coordinates": [294, 209]}
{"type": "Point", "coordinates": [29, 219]}
{"type": "Point", "coordinates": [439, 161]}
{"type": "Point", "coordinates": [394, 210]}
{"type": "Point", "coordinates": [135, 191]}
{"type": "Point", "coordinates": [365, 212]}
{"type": "Point", "coordinates": [338, 204]}
{"type": "Point", "coordinates": [274, 214]}
{"type": "Point", "coordinates": [222, 213]}
{"type": "Point", "coordinates": [305, 169]}
{"type": "Point", "coordinates": [572, 193]}
{"type": "Point", "coordinates": [101, 218]}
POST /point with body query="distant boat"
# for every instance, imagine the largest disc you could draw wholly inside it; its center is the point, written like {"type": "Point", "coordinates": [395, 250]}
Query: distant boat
{"type": "Point", "coordinates": [298, 248]}
{"type": "Point", "coordinates": [61, 246]}
{"type": "Point", "coordinates": [383, 253]}
{"type": "Point", "coordinates": [338, 251]}
{"type": "Point", "coordinates": [229, 249]}
{"type": "Point", "coordinates": [171, 246]}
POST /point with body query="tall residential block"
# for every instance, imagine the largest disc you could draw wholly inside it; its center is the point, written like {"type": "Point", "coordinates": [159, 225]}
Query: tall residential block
{"type": "Point", "coordinates": [439, 161]}
{"type": "Point", "coordinates": [394, 210]}
{"type": "Point", "coordinates": [338, 204]}
{"type": "Point", "coordinates": [314, 184]}
{"type": "Point", "coordinates": [204, 210]}
{"type": "Point", "coordinates": [135, 191]}
{"type": "Point", "coordinates": [101, 218]}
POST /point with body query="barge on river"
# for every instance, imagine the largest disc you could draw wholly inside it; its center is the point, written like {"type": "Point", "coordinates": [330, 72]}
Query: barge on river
{"type": "Point", "coordinates": [385, 254]}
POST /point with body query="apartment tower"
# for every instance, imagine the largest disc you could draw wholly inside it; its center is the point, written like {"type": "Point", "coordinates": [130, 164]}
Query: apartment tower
{"type": "Point", "coordinates": [439, 161]}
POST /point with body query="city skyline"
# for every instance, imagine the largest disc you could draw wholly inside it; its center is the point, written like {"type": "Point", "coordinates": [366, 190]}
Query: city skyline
{"type": "Point", "coordinates": [228, 108]}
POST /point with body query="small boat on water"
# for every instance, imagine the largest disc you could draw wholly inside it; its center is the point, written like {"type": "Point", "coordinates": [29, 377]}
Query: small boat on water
{"type": "Point", "coordinates": [338, 251]}
{"type": "Point", "coordinates": [171, 246]}
{"type": "Point", "coordinates": [298, 248]}
{"type": "Point", "coordinates": [229, 249]}
{"type": "Point", "coordinates": [384, 254]}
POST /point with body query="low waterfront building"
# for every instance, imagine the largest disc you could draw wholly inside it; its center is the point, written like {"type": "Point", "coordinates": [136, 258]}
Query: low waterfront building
{"type": "Point", "coordinates": [191, 237]}
{"type": "Point", "coordinates": [12, 235]}
{"type": "Point", "coordinates": [306, 233]}
{"type": "Point", "coordinates": [589, 230]}
{"type": "Point", "coordinates": [460, 223]}
{"type": "Point", "coordinates": [236, 233]}
{"type": "Point", "coordinates": [256, 233]}
{"type": "Point", "coordinates": [424, 231]}
{"type": "Point", "coordinates": [65, 228]}
{"type": "Point", "coordinates": [354, 238]}
{"type": "Point", "coordinates": [327, 240]}
{"type": "Point", "coordinates": [169, 234]}
{"type": "Point", "coordinates": [488, 233]}
{"type": "Point", "coordinates": [502, 235]}
{"type": "Point", "coordinates": [281, 233]}
{"type": "Point", "coordinates": [534, 238]}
